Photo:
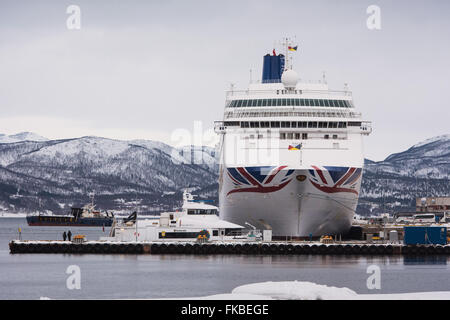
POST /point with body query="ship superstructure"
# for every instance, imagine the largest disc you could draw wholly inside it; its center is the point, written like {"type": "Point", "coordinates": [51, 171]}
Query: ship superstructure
{"type": "Point", "coordinates": [291, 154]}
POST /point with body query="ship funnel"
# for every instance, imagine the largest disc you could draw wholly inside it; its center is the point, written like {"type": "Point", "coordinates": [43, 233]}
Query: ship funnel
{"type": "Point", "coordinates": [273, 67]}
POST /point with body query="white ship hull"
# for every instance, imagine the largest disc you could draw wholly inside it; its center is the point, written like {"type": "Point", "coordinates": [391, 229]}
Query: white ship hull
{"type": "Point", "coordinates": [297, 208]}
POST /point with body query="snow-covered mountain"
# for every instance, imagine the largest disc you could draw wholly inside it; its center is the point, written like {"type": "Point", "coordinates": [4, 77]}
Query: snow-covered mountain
{"type": "Point", "coordinates": [22, 136]}
{"type": "Point", "coordinates": [64, 172]}
{"type": "Point", "coordinates": [394, 183]}
{"type": "Point", "coordinates": [427, 159]}
{"type": "Point", "coordinates": [152, 175]}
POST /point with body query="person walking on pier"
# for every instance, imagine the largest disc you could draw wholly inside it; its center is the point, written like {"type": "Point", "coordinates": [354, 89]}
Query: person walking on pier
{"type": "Point", "coordinates": [69, 235]}
{"type": "Point", "coordinates": [64, 236]}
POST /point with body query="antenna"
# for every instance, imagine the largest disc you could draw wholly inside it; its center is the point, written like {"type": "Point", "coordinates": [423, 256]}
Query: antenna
{"type": "Point", "coordinates": [287, 43]}
{"type": "Point", "coordinates": [286, 49]}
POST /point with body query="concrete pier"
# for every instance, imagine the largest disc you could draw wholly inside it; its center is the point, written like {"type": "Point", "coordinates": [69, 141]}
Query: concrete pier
{"type": "Point", "coordinates": [249, 248]}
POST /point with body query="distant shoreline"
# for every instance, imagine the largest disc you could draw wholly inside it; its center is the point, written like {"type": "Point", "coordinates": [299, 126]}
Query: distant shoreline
{"type": "Point", "coordinates": [13, 215]}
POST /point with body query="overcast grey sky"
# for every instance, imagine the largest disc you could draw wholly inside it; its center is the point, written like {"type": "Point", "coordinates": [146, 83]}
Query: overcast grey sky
{"type": "Point", "coordinates": [142, 69]}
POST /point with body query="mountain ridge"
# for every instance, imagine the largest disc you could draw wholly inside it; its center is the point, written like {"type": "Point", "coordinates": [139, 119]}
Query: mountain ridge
{"type": "Point", "coordinates": [56, 174]}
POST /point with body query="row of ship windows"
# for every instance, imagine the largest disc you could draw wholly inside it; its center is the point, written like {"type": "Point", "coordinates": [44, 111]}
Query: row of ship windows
{"type": "Point", "coordinates": [295, 136]}
{"type": "Point", "coordinates": [304, 136]}
{"type": "Point", "coordinates": [289, 102]}
{"type": "Point", "coordinates": [291, 124]}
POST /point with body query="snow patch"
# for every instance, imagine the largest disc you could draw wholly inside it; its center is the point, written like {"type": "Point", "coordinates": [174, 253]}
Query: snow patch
{"type": "Point", "coordinates": [302, 290]}
{"type": "Point", "coordinates": [295, 290]}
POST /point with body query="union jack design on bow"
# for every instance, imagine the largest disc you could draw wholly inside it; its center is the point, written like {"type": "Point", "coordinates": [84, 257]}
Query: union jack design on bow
{"type": "Point", "coordinates": [259, 179]}
{"type": "Point", "coordinates": [335, 179]}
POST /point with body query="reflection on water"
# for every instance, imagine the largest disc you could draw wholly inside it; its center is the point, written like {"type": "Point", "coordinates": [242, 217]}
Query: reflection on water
{"type": "Point", "coordinates": [426, 260]}
{"type": "Point", "coordinates": [29, 276]}
{"type": "Point", "coordinates": [335, 261]}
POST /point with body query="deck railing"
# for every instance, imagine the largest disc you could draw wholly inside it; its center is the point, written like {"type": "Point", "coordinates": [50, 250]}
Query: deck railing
{"type": "Point", "coordinates": [282, 92]}
{"type": "Point", "coordinates": [307, 114]}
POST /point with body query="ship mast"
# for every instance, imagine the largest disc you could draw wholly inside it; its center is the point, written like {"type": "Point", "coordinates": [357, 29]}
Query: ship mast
{"type": "Point", "coordinates": [286, 44]}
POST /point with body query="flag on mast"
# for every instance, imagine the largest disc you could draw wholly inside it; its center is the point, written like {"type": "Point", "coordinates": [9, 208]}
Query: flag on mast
{"type": "Point", "coordinates": [297, 147]}
{"type": "Point", "coordinates": [274, 52]}
{"type": "Point", "coordinates": [293, 48]}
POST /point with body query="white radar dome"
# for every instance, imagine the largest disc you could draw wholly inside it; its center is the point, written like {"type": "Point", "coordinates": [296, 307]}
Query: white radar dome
{"type": "Point", "coordinates": [289, 78]}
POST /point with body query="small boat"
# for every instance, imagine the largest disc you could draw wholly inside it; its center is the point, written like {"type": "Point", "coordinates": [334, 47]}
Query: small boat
{"type": "Point", "coordinates": [196, 221]}
{"type": "Point", "coordinates": [86, 216]}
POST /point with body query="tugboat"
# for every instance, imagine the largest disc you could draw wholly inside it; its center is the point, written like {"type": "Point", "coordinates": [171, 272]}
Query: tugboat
{"type": "Point", "coordinates": [86, 216]}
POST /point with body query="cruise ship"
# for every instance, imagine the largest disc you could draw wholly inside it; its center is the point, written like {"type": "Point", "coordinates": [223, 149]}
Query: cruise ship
{"type": "Point", "coordinates": [291, 153]}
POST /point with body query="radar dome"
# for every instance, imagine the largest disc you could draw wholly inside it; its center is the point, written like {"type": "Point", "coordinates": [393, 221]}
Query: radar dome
{"type": "Point", "coordinates": [289, 78]}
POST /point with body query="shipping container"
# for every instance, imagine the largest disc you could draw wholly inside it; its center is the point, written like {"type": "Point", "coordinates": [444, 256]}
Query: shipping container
{"type": "Point", "coordinates": [425, 235]}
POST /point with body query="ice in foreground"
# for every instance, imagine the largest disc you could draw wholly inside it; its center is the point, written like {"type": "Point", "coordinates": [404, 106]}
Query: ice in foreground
{"type": "Point", "coordinates": [302, 290]}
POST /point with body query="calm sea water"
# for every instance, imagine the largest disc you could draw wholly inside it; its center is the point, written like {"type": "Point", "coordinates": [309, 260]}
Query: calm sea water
{"type": "Point", "coordinates": [31, 276]}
